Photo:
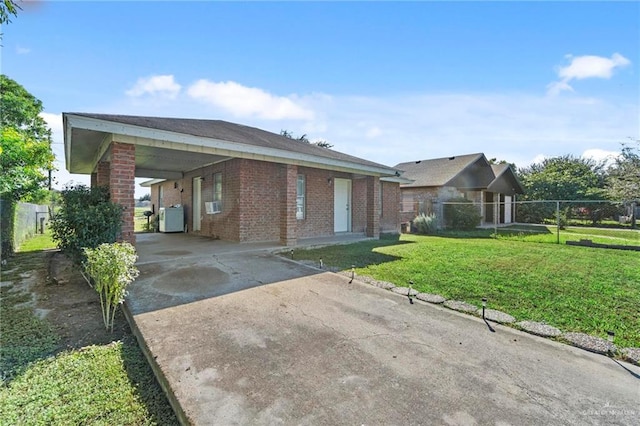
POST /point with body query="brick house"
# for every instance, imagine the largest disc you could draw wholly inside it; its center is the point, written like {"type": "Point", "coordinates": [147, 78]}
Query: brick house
{"type": "Point", "coordinates": [234, 182]}
{"type": "Point", "coordinates": [493, 187]}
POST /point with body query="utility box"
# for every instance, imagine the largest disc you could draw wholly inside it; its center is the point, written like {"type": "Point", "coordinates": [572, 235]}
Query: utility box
{"type": "Point", "coordinates": [171, 219]}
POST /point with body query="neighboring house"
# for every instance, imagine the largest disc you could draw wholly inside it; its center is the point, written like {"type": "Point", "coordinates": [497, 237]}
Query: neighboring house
{"type": "Point", "coordinates": [234, 182]}
{"type": "Point", "coordinates": [493, 187]}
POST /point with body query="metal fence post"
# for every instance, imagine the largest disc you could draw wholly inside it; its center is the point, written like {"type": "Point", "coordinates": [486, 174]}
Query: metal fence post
{"type": "Point", "coordinates": [557, 222]}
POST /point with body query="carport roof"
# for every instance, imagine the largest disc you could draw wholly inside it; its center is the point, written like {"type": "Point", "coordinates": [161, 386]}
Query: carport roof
{"type": "Point", "coordinates": [168, 147]}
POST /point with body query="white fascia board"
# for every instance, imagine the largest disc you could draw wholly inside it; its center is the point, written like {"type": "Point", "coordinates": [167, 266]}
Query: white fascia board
{"type": "Point", "coordinates": [165, 139]}
{"type": "Point", "coordinates": [67, 141]}
{"type": "Point", "coordinates": [160, 174]}
{"type": "Point", "coordinates": [401, 180]}
{"type": "Point", "coordinates": [148, 183]}
{"type": "Point", "coordinates": [104, 146]}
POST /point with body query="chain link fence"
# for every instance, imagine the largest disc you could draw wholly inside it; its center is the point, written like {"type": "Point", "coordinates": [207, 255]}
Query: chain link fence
{"type": "Point", "coordinates": [504, 213]}
{"type": "Point", "coordinates": [29, 219]}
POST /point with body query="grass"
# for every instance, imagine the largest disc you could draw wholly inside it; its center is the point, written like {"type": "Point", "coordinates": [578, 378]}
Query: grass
{"type": "Point", "coordinates": [23, 336]}
{"type": "Point", "coordinates": [107, 384]}
{"type": "Point", "coordinates": [140, 220]}
{"type": "Point", "coordinates": [548, 234]}
{"type": "Point", "coordinates": [574, 288]}
{"type": "Point", "coordinates": [93, 385]}
{"type": "Point", "coordinates": [38, 242]}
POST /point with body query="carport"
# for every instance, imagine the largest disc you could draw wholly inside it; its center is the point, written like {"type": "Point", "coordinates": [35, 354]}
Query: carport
{"type": "Point", "coordinates": [239, 183]}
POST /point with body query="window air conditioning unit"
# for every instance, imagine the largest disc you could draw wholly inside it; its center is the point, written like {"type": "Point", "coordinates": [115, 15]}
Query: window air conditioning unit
{"type": "Point", "coordinates": [213, 207]}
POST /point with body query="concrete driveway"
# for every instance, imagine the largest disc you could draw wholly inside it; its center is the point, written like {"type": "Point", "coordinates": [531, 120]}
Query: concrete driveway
{"type": "Point", "coordinates": [239, 336]}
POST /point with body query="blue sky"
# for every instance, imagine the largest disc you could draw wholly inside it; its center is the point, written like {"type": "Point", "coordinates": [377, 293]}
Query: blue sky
{"type": "Point", "coordinates": [390, 82]}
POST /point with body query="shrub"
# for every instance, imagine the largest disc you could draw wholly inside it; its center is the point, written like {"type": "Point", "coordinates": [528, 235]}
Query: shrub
{"type": "Point", "coordinates": [461, 214]}
{"type": "Point", "coordinates": [111, 269]}
{"type": "Point", "coordinates": [425, 224]}
{"type": "Point", "coordinates": [86, 219]}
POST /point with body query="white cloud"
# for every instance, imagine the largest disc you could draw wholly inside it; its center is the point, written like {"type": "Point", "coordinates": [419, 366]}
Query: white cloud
{"type": "Point", "coordinates": [554, 88]}
{"type": "Point", "coordinates": [54, 121]}
{"type": "Point", "coordinates": [242, 101]}
{"type": "Point", "coordinates": [155, 85]}
{"type": "Point", "coordinates": [514, 126]}
{"type": "Point", "coordinates": [21, 50]}
{"type": "Point", "coordinates": [599, 155]}
{"type": "Point", "coordinates": [587, 66]}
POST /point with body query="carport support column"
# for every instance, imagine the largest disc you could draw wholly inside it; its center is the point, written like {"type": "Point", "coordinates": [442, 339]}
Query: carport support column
{"type": "Point", "coordinates": [102, 175]}
{"type": "Point", "coordinates": [288, 221]}
{"type": "Point", "coordinates": [122, 173]}
{"type": "Point", "coordinates": [373, 206]}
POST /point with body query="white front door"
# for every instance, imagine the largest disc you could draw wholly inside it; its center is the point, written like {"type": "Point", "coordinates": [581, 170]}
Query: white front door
{"type": "Point", "coordinates": [197, 203]}
{"type": "Point", "coordinates": [507, 209]}
{"type": "Point", "coordinates": [342, 205]}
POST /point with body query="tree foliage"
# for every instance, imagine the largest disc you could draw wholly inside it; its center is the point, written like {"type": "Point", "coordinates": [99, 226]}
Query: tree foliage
{"type": "Point", "coordinates": [461, 214]}
{"type": "Point", "coordinates": [560, 178]}
{"type": "Point", "coordinates": [24, 162]}
{"type": "Point", "coordinates": [8, 8]}
{"type": "Point", "coordinates": [564, 178]}
{"type": "Point", "coordinates": [25, 153]}
{"type": "Point", "coordinates": [86, 219]}
{"type": "Point", "coordinates": [304, 139]}
{"type": "Point", "coordinates": [111, 269]}
{"type": "Point", "coordinates": [624, 175]}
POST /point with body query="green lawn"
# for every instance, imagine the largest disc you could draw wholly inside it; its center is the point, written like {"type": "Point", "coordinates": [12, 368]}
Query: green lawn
{"type": "Point", "coordinates": [574, 288]}
{"type": "Point", "coordinates": [104, 385]}
{"type": "Point", "coordinates": [38, 242]}
{"type": "Point", "coordinates": [140, 220]}
{"type": "Point", "coordinates": [548, 234]}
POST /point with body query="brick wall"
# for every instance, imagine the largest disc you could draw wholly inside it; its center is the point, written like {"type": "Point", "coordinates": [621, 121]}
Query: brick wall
{"type": "Point", "coordinates": [103, 170]}
{"type": "Point", "coordinates": [259, 202]}
{"type": "Point", "coordinates": [373, 206]}
{"type": "Point", "coordinates": [261, 185]}
{"type": "Point", "coordinates": [390, 212]}
{"type": "Point", "coordinates": [288, 222]}
{"type": "Point", "coordinates": [359, 205]}
{"type": "Point", "coordinates": [122, 185]}
{"type": "Point", "coordinates": [225, 224]}
{"type": "Point", "coordinates": [318, 219]}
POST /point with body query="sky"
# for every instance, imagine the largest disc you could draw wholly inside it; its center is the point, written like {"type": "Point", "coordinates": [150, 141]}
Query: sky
{"type": "Point", "coordinates": [386, 81]}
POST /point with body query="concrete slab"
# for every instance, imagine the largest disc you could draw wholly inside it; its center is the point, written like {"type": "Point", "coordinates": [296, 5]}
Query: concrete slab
{"type": "Point", "coordinates": [244, 337]}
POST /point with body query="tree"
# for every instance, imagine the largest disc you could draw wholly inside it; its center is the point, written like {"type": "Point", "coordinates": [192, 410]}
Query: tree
{"type": "Point", "coordinates": [145, 197]}
{"type": "Point", "coordinates": [8, 8]}
{"type": "Point", "coordinates": [21, 110]}
{"type": "Point", "coordinates": [623, 182]}
{"type": "Point", "coordinates": [303, 138]}
{"type": "Point", "coordinates": [560, 178]}
{"type": "Point", "coordinates": [25, 153]}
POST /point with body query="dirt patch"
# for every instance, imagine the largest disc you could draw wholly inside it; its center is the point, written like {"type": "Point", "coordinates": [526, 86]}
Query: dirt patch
{"type": "Point", "coordinates": [64, 298]}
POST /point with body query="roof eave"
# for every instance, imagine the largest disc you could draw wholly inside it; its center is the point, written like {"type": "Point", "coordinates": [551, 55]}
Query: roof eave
{"type": "Point", "coordinates": [138, 135]}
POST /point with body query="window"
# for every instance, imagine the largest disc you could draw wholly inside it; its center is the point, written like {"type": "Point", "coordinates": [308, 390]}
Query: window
{"type": "Point", "coordinates": [216, 205]}
{"type": "Point", "coordinates": [300, 196]}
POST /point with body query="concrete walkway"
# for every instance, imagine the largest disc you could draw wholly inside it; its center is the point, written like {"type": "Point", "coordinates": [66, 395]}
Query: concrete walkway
{"type": "Point", "coordinates": [239, 336]}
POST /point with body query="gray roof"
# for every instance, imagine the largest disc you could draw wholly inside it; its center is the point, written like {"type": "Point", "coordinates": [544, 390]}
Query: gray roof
{"type": "Point", "coordinates": [506, 181]}
{"type": "Point", "coordinates": [226, 131]}
{"type": "Point", "coordinates": [470, 171]}
{"type": "Point", "coordinates": [437, 171]}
